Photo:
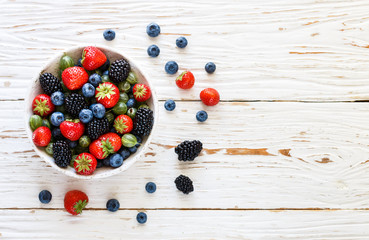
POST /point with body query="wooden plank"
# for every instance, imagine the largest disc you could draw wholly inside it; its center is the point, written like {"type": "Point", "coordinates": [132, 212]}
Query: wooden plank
{"type": "Point", "coordinates": [264, 50]}
{"type": "Point", "coordinates": [312, 225]}
{"type": "Point", "coordinates": [257, 155]}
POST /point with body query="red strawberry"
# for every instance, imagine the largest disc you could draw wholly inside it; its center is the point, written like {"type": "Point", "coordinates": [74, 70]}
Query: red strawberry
{"type": "Point", "coordinates": [74, 77]}
{"type": "Point", "coordinates": [105, 145]}
{"type": "Point", "coordinates": [75, 201]}
{"type": "Point", "coordinates": [123, 124]}
{"type": "Point", "coordinates": [92, 58]}
{"type": "Point", "coordinates": [186, 80]}
{"type": "Point", "coordinates": [107, 94]}
{"type": "Point", "coordinates": [209, 96]}
{"type": "Point", "coordinates": [41, 136]}
{"type": "Point", "coordinates": [85, 164]}
{"type": "Point", "coordinates": [42, 105]}
{"type": "Point", "coordinates": [72, 129]}
{"type": "Point", "coordinates": [141, 92]}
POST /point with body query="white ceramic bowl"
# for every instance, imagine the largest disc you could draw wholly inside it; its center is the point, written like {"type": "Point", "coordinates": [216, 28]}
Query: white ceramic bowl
{"type": "Point", "coordinates": [53, 67]}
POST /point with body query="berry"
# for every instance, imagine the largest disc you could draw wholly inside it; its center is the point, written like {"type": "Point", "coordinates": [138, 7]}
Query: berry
{"type": "Point", "coordinates": [85, 164]}
{"type": "Point", "coordinates": [42, 105]}
{"type": "Point", "coordinates": [141, 217]}
{"type": "Point", "coordinates": [110, 117]}
{"type": "Point", "coordinates": [65, 62]}
{"type": "Point", "coordinates": [79, 64]}
{"type": "Point", "coordinates": [209, 96]}
{"type": "Point", "coordinates": [131, 103]}
{"type": "Point", "coordinates": [109, 35]}
{"type": "Point", "coordinates": [170, 105]}
{"type": "Point", "coordinates": [181, 42]}
{"type": "Point", "coordinates": [129, 140]}
{"type": "Point", "coordinates": [119, 70]}
{"type": "Point", "coordinates": [116, 160]}
{"type": "Point", "coordinates": [62, 153]}
{"type": "Point", "coordinates": [184, 184]}
{"type": "Point", "coordinates": [153, 51]}
{"type": "Point", "coordinates": [35, 121]}
{"type": "Point", "coordinates": [171, 67]}
{"type": "Point", "coordinates": [45, 196]}
{"type": "Point", "coordinates": [139, 139]}
{"type": "Point", "coordinates": [107, 94]}
{"type": "Point", "coordinates": [92, 58]}
{"type": "Point", "coordinates": [123, 97]}
{"type": "Point", "coordinates": [41, 136]}
{"type": "Point", "coordinates": [112, 205]}
{"type": "Point", "coordinates": [188, 150]}
{"type": "Point", "coordinates": [49, 149]}
{"type": "Point", "coordinates": [106, 162]}
{"type": "Point", "coordinates": [57, 98]}
{"type": "Point", "coordinates": [133, 149]}
{"type": "Point", "coordinates": [98, 110]}
{"type": "Point", "coordinates": [75, 201]}
{"type": "Point", "coordinates": [105, 145]}
{"type": "Point", "coordinates": [132, 78]}
{"type": "Point", "coordinates": [106, 72]}
{"type": "Point", "coordinates": [141, 92]}
{"type": "Point", "coordinates": [97, 127]}
{"type": "Point", "coordinates": [153, 30]}
{"type": "Point", "coordinates": [57, 118]}
{"type": "Point", "coordinates": [46, 123]}
{"type": "Point", "coordinates": [99, 164]}
{"type": "Point", "coordinates": [105, 78]}
{"type": "Point", "coordinates": [131, 112]}
{"type": "Point", "coordinates": [74, 103]}
{"type": "Point", "coordinates": [210, 67]}
{"type": "Point", "coordinates": [73, 144]}
{"type": "Point", "coordinates": [120, 108]}
{"type": "Point", "coordinates": [85, 115]}
{"type": "Point", "coordinates": [124, 87]}
{"type": "Point", "coordinates": [72, 129]}
{"type": "Point", "coordinates": [144, 105]}
{"type": "Point", "coordinates": [150, 187]}
{"type": "Point", "coordinates": [186, 80]}
{"type": "Point", "coordinates": [88, 90]}
{"type": "Point", "coordinates": [105, 67]}
{"type": "Point", "coordinates": [201, 116]}
{"type": "Point", "coordinates": [74, 77]}
{"type": "Point", "coordinates": [50, 84]}
{"type": "Point", "coordinates": [95, 79]}
{"type": "Point", "coordinates": [56, 134]}
{"type": "Point", "coordinates": [123, 124]}
{"type": "Point", "coordinates": [84, 141]}
{"type": "Point", "coordinates": [125, 153]}
{"type": "Point", "coordinates": [143, 122]}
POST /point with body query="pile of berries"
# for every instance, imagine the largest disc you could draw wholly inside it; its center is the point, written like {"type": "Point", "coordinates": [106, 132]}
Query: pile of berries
{"type": "Point", "coordinates": [96, 116]}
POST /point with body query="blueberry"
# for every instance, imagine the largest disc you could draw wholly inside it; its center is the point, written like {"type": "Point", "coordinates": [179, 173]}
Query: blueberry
{"type": "Point", "coordinates": [73, 144]}
{"type": "Point", "coordinates": [45, 196]}
{"type": "Point", "coordinates": [153, 30]}
{"type": "Point", "coordinates": [98, 110]}
{"type": "Point", "coordinates": [201, 116]}
{"type": "Point", "coordinates": [153, 51]}
{"type": "Point", "coordinates": [181, 42]}
{"type": "Point", "coordinates": [171, 67]}
{"type": "Point", "coordinates": [131, 103]}
{"type": "Point", "coordinates": [105, 66]}
{"type": "Point", "coordinates": [109, 35]}
{"type": "Point", "coordinates": [139, 139]}
{"type": "Point", "coordinates": [112, 205]}
{"type": "Point", "coordinates": [106, 162]}
{"type": "Point", "coordinates": [141, 217]}
{"type": "Point", "coordinates": [210, 67]}
{"type": "Point", "coordinates": [57, 98]}
{"type": "Point", "coordinates": [56, 133]}
{"type": "Point", "coordinates": [99, 164]}
{"type": "Point", "coordinates": [95, 79]}
{"type": "Point", "coordinates": [57, 118]}
{"type": "Point", "coordinates": [85, 115]}
{"type": "Point", "coordinates": [106, 72]}
{"type": "Point", "coordinates": [125, 153]}
{"type": "Point", "coordinates": [170, 105]}
{"type": "Point", "coordinates": [150, 187]}
{"type": "Point", "coordinates": [116, 160]}
{"type": "Point", "coordinates": [79, 62]}
{"type": "Point", "coordinates": [132, 149]}
{"type": "Point", "coordinates": [88, 90]}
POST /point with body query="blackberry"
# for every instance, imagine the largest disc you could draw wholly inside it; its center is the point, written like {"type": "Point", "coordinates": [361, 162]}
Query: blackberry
{"type": "Point", "coordinates": [143, 122]}
{"type": "Point", "coordinates": [97, 127]}
{"type": "Point", "coordinates": [188, 150]}
{"type": "Point", "coordinates": [119, 70]}
{"type": "Point", "coordinates": [50, 84]}
{"type": "Point", "coordinates": [184, 184]}
{"type": "Point", "coordinates": [62, 153]}
{"type": "Point", "coordinates": [74, 103]}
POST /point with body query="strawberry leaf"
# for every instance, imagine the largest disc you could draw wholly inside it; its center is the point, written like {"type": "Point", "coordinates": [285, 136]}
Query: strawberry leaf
{"type": "Point", "coordinates": [79, 206]}
{"type": "Point", "coordinates": [107, 148]}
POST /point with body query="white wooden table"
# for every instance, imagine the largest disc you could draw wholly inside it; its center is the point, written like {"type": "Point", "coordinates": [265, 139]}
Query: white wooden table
{"type": "Point", "coordinates": [286, 151]}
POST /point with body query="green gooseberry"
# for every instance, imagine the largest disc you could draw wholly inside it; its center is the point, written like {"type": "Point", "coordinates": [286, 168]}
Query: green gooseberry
{"type": "Point", "coordinates": [123, 97]}
{"type": "Point", "coordinates": [49, 149]}
{"type": "Point", "coordinates": [72, 160]}
{"type": "Point", "coordinates": [124, 86]}
{"type": "Point", "coordinates": [132, 78]}
{"type": "Point", "coordinates": [65, 62]}
{"type": "Point", "coordinates": [110, 117]}
{"type": "Point", "coordinates": [35, 121]}
{"type": "Point", "coordinates": [46, 123]}
{"type": "Point", "coordinates": [120, 108]}
{"type": "Point", "coordinates": [105, 78]}
{"type": "Point", "coordinates": [84, 141]}
{"type": "Point", "coordinates": [129, 140]}
{"type": "Point", "coordinates": [144, 105]}
{"type": "Point", "coordinates": [132, 112]}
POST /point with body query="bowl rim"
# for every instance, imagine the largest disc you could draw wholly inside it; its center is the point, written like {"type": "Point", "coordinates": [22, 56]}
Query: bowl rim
{"type": "Point", "coordinates": [110, 172]}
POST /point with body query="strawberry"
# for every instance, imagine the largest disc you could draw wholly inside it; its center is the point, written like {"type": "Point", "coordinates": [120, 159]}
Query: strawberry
{"type": "Point", "coordinates": [42, 105]}
{"type": "Point", "coordinates": [41, 136]}
{"type": "Point", "coordinates": [141, 92]}
{"type": "Point", "coordinates": [75, 201]}
{"type": "Point", "coordinates": [186, 80]}
{"type": "Point", "coordinates": [107, 94]}
{"type": "Point", "coordinates": [72, 129]}
{"type": "Point", "coordinates": [74, 77]}
{"type": "Point", "coordinates": [209, 96]}
{"type": "Point", "coordinates": [123, 124]}
{"type": "Point", "coordinates": [92, 58]}
{"type": "Point", "coordinates": [105, 145]}
{"type": "Point", "coordinates": [85, 164]}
